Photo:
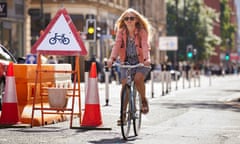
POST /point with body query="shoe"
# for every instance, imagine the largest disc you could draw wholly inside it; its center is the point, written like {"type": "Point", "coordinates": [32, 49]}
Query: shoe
{"type": "Point", "coordinates": [145, 107]}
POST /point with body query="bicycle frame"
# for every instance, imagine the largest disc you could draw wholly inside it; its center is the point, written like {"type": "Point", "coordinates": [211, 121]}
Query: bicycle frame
{"type": "Point", "coordinates": [130, 84]}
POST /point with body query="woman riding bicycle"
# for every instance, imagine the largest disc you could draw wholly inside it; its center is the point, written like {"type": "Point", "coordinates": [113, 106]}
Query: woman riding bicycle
{"type": "Point", "coordinates": [132, 46]}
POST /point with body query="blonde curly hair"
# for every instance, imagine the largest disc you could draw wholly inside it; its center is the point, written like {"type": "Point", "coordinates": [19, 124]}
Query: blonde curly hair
{"type": "Point", "coordinates": [142, 22]}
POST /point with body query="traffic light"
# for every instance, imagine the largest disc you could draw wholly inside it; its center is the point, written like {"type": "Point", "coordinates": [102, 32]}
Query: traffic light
{"type": "Point", "coordinates": [91, 29]}
{"type": "Point", "coordinates": [98, 32]}
{"type": "Point", "coordinates": [189, 52]}
{"type": "Point", "coordinates": [227, 57]}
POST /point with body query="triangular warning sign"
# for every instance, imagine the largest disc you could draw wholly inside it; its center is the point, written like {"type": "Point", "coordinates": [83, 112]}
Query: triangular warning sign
{"type": "Point", "coordinates": [60, 37]}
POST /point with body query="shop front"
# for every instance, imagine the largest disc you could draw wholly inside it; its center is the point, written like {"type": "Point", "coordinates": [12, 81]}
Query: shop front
{"type": "Point", "coordinates": [12, 26]}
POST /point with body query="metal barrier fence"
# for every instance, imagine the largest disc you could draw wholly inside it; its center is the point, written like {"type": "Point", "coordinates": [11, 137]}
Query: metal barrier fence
{"type": "Point", "coordinates": [166, 79]}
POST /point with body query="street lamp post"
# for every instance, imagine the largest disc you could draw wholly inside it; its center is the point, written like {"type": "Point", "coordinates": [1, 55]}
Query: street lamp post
{"type": "Point", "coordinates": [42, 16]}
{"type": "Point", "coordinates": [175, 52]}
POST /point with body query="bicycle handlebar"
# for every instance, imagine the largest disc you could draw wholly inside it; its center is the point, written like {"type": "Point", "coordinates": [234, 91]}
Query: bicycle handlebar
{"type": "Point", "coordinates": [131, 66]}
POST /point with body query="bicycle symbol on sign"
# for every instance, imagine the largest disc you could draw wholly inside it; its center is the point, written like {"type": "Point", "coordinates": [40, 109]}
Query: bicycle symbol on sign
{"type": "Point", "coordinates": [61, 38]}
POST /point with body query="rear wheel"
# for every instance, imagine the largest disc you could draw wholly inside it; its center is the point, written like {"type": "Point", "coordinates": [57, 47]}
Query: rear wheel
{"type": "Point", "coordinates": [125, 114]}
{"type": "Point", "coordinates": [137, 109]}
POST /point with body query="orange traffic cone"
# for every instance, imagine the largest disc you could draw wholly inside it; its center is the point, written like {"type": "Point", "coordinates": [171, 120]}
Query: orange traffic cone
{"type": "Point", "coordinates": [92, 115]}
{"type": "Point", "coordinates": [10, 113]}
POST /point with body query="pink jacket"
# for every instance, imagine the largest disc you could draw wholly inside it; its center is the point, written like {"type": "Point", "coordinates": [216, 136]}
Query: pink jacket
{"type": "Point", "coordinates": [141, 43]}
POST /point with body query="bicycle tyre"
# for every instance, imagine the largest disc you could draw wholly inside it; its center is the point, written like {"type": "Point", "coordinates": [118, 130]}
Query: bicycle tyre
{"type": "Point", "coordinates": [52, 41]}
{"type": "Point", "coordinates": [66, 41]}
{"type": "Point", "coordinates": [138, 113]}
{"type": "Point", "coordinates": [125, 114]}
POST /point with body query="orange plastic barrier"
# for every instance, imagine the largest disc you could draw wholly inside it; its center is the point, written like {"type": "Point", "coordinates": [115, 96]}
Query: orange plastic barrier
{"type": "Point", "coordinates": [25, 75]}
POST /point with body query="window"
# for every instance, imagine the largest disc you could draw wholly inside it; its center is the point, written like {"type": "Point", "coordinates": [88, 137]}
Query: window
{"type": "Point", "coordinates": [38, 24]}
{"type": "Point", "coordinates": [78, 21]}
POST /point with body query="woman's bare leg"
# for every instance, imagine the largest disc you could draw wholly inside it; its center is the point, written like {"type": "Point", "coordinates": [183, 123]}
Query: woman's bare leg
{"type": "Point", "coordinates": [140, 85]}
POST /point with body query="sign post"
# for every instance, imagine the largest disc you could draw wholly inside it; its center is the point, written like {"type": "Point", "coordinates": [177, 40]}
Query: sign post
{"type": "Point", "coordinates": [60, 38]}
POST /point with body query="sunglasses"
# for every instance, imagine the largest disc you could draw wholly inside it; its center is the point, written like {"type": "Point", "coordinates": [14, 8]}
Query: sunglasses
{"type": "Point", "coordinates": [129, 18]}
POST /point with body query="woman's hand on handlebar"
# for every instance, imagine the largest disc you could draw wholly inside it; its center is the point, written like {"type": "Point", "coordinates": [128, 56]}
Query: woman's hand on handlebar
{"type": "Point", "coordinates": [147, 63]}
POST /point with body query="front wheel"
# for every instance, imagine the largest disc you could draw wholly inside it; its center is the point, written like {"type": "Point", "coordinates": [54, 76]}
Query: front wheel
{"type": "Point", "coordinates": [125, 112]}
{"type": "Point", "coordinates": [66, 41]}
{"type": "Point", "coordinates": [137, 102]}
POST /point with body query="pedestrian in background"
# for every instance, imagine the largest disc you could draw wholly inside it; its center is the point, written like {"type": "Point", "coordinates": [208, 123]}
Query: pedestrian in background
{"type": "Point", "coordinates": [51, 60]}
{"type": "Point", "coordinates": [133, 33]}
{"type": "Point", "coordinates": [99, 65]}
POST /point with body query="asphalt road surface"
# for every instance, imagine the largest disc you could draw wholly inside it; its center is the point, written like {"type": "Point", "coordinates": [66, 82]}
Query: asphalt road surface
{"type": "Point", "coordinates": [208, 114]}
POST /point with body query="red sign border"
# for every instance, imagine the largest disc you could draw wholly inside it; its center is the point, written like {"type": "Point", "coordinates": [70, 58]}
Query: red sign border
{"type": "Point", "coordinates": [76, 34]}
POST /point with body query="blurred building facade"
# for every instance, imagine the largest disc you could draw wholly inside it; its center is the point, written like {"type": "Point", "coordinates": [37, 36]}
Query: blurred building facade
{"type": "Point", "coordinates": [24, 19]}
{"type": "Point", "coordinates": [12, 26]}
{"type": "Point", "coordinates": [106, 12]}
{"type": "Point", "coordinates": [219, 57]}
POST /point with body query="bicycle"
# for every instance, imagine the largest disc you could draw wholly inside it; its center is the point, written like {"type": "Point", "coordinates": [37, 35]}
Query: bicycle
{"type": "Point", "coordinates": [131, 104]}
{"type": "Point", "coordinates": [58, 37]}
